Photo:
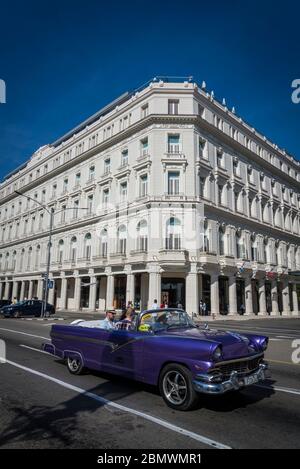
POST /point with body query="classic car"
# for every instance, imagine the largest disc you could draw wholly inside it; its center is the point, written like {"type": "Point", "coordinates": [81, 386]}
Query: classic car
{"type": "Point", "coordinates": [165, 348]}
{"type": "Point", "coordinates": [26, 308]}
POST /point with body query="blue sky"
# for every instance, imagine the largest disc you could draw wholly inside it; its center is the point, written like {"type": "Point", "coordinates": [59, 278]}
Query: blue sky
{"type": "Point", "coordinates": [63, 60]}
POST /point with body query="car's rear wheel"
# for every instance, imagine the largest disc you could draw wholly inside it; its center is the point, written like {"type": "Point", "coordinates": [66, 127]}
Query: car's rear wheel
{"type": "Point", "coordinates": [75, 365]}
{"type": "Point", "coordinates": [176, 387]}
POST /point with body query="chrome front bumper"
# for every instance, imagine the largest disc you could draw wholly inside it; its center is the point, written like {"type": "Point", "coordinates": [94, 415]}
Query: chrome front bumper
{"type": "Point", "coordinates": [204, 382]}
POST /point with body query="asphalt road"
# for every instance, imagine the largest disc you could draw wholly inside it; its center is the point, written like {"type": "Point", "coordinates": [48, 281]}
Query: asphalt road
{"type": "Point", "coordinates": [43, 406]}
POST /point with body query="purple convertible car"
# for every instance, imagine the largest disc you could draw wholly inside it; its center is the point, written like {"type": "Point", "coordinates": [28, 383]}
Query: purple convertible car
{"type": "Point", "coordinates": [165, 348]}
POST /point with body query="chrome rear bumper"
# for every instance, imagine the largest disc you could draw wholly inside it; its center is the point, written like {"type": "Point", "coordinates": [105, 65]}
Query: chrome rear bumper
{"type": "Point", "coordinates": [204, 382]}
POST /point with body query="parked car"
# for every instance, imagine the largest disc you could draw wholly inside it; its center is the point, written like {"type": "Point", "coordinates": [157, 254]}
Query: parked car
{"type": "Point", "coordinates": [165, 348]}
{"type": "Point", "coordinates": [26, 308]}
{"type": "Point", "coordinates": [4, 303]}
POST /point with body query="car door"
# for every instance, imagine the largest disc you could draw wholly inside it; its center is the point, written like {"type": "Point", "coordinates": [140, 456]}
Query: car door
{"type": "Point", "coordinates": [27, 308]}
{"type": "Point", "coordinates": [123, 353]}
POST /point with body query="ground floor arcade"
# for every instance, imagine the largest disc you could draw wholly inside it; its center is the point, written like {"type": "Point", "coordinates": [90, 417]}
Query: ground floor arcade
{"type": "Point", "coordinates": [93, 290]}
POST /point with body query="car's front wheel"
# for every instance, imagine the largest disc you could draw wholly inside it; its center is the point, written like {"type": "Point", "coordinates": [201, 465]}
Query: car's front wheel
{"type": "Point", "coordinates": [176, 387]}
{"type": "Point", "coordinates": [75, 365]}
{"type": "Point", "coordinates": [17, 314]}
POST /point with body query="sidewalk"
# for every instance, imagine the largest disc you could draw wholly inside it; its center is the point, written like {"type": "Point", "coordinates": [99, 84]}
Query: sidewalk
{"type": "Point", "coordinates": [88, 315]}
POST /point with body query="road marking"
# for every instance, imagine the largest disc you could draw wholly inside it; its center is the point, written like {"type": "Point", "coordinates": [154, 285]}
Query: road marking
{"type": "Point", "coordinates": [285, 337]}
{"type": "Point", "coordinates": [282, 362]}
{"type": "Point", "coordinates": [24, 333]}
{"type": "Point", "coordinates": [279, 388]}
{"type": "Point", "coordinates": [106, 402]}
{"type": "Point", "coordinates": [36, 349]}
{"type": "Point", "coordinates": [275, 339]}
{"type": "Point", "coordinates": [50, 324]}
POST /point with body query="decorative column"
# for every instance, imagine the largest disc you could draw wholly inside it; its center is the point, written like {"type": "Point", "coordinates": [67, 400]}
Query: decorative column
{"type": "Point", "coordinates": [6, 291]}
{"type": "Point", "coordinates": [232, 296]}
{"type": "Point", "coordinates": [214, 294]}
{"type": "Point", "coordinates": [248, 296]}
{"type": "Point", "coordinates": [110, 291]}
{"type": "Point", "coordinates": [286, 310]}
{"type": "Point", "coordinates": [30, 289]}
{"type": "Point", "coordinates": [15, 290]}
{"type": "Point", "coordinates": [130, 286]}
{"type": "Point", "coordinates": [295, 311]}
{"type": "Point", "coordinates": [1, 290]}
{"type": "Point", "coordinates": [63, 293]}
{"type": "Point", "coordinates": [154, 285]}
{"type": "Point", "coordinates": [191, 291]}
{"type": "Point", "coordinates": [262, 297]}
{"type": "Point", "coordinates": [77, 292]}
{"type": "Point", "coordinates": [102, 293]}
{"type": "Point", "coordinates": [22, 290]}
{"type": "Point", "coordinates": [40, 289]}
{"type": "Point", "coordinates": [274, 297]}
{"type": "Point", "coordinates": [93, 293]}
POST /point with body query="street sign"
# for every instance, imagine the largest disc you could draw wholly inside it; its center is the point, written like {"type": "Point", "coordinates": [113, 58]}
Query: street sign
{"type": "Point", "coordinates": [50, 284]}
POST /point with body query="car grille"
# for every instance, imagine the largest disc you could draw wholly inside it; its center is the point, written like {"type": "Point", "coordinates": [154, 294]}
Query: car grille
{"type": "Point", "coordinates": [241, 366]}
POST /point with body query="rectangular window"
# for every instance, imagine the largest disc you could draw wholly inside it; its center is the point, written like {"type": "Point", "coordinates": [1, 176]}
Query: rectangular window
{"type": "Point", "coordinates": [173, 106]}
{"type": "Point", "coordinates": [91, 173]}
{"type": "Point", "coordinates": [90, 204]}
{"type": "Point", "coordinates": [143, 185]}
{"type": "Point", "coordinates": [144, 146]}
{"type": "Point", "coordinates": [65, 185]}
{"type": "Point", "coordinates": [144, 111]}
{"type": "Point", "coordinates": [76, 207]}
{"type": "Point", "coordinates": [123, 192]}
{"type": "Point", "coordinates": [107, 166]}
{"type": "Point", "coordinates": [173, 182]}
{"type": "Point", "coordinates": [77, 179]}
{"type": "Point", "coordinates": [124, 158]}
{"type": "Point", "coordinates": [105, 197]}
{"type": "Point", "coordinates": [63, 213]}
{"type": "Point", "coordinates": [173, 143]}
{"type": "Point", "coordinates": [202, 186]}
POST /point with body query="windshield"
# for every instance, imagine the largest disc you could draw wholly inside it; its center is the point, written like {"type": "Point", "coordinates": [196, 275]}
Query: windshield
{"type": "Point", "coordinates": [166, 319]}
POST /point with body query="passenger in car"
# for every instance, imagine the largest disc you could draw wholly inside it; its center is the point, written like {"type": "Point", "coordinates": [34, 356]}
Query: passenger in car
{"type": "Point", "coordinates": [126, 323]}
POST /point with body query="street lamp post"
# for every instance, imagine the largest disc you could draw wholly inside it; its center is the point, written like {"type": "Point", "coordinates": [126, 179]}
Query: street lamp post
{"type": "Point", "coordinates": [51, 212]}
{"type": "Point", "coordinates": [46, 289]}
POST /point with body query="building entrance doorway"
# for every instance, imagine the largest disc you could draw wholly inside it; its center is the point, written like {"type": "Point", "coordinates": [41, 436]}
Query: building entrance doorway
{"type": "Point", "coordinates": [173, 292]}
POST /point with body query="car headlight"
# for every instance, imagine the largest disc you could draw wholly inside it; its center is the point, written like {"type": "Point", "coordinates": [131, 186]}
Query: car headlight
{"type": "Point", "coordinates": [217, 354]}
{"type": "Point", "coordinates": [264, 344]}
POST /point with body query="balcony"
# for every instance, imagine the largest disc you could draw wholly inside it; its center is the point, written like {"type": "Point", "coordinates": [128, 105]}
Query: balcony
{"type": "Point", "coordinates": [173, 256]}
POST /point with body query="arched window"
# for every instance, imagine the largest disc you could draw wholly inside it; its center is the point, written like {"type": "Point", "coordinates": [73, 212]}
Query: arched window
{"type": "Point", "coordinates": [142, 236]}
{"type": "Point", "coordinates": [221, 241]}
{"type": "Point", "coordinates": [277, 253]}
{"type": "Point", "coordinates": [22, 260]}
{"type": "Point", "coordinates": [60, 251]}
{"type": "Point", "coordinates": [173, 234]}
{"type": "Point", "coordinates": [254, 249]}
{"type": "Point", "coordinates": [103, 243]}
{"type": "Point", "coordinates": [266, 249]}
{"type": "Point", "coordinates": [87, 246]}
{"type": "Point", "coordinates": [14, 260]}
{"type": "Point", "coordinates": [29, 258]}
{"type": "Point", "coordinates": [240, 247]}
{"type": "Point", "coordinates": [6, 261]}
{"type": "Point", "coordinates": [205, 234]}
{"type": "Point", "coordinates": [122, 238]}
{"type": "Point", "coordinates": [74, 249]}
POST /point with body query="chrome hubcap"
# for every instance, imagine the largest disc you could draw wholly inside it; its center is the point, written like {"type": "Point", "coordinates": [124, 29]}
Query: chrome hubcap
{"type": "Point", "coordinates": [175, 387]}
{"type": "Point", "coordinates": [74, 364]}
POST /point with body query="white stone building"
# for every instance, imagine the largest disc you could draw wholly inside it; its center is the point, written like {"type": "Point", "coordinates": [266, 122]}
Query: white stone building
{"type": "Point", "coordinates": [164, 194]}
